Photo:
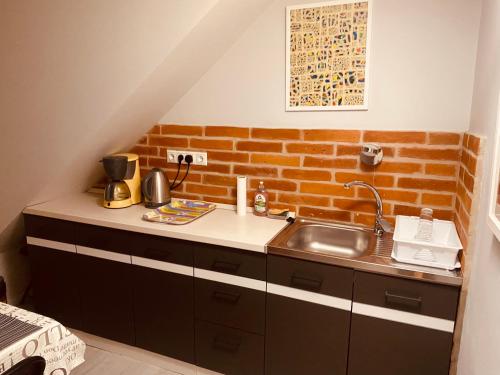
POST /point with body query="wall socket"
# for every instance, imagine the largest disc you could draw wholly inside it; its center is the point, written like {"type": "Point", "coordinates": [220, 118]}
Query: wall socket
{"type": "Point", "coordinates": [199, 158]}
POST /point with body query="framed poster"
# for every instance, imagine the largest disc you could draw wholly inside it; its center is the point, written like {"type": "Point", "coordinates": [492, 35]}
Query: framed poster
{"type": "Point", "coordinates": [327, 54]}
{"type": "Point", "coordinates": [494, 206]}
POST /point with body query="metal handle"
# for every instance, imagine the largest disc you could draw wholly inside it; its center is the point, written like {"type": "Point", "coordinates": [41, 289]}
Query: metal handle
{"type": "Point", "coordinates": [225, 267]}
{"type": "Point", "coordinates": [397, 299]}
{"type": "Point", "coordinates": [145, 183]}
{"type": "Point", "coordinates": [226, 297]}
{"type": "Point", "coordinates": [306, 282]}
{"type": "Point", "coordinates": [157, 254]}
{"type": "Point", "coordinates": [227, 344]}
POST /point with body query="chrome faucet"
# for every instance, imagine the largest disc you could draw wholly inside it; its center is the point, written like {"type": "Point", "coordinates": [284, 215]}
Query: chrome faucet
{"type": "Point", "coordinates": [381, 225]}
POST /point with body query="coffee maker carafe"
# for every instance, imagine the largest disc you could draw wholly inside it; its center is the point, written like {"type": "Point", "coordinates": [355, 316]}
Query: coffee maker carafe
{"type": "Point", "coordinates": [124, 189]}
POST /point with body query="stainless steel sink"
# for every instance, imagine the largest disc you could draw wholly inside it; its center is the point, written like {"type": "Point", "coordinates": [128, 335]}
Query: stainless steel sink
{"type": "Point", "coordinates": [350, 246]}
{"type": "Point", "coordinates": [336, 240]}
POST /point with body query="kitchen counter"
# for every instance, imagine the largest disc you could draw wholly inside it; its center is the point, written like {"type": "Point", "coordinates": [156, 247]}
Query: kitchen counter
{"type": "Point", "coordinates": [221, 227]}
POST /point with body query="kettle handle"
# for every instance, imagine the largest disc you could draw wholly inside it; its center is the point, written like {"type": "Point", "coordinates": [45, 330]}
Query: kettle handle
{"type": "Point", "coordinates": [145, 183]}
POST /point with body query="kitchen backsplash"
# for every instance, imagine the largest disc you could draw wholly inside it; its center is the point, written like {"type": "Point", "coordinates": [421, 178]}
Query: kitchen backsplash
{"type": "Point", "coordinates": [304, 169]}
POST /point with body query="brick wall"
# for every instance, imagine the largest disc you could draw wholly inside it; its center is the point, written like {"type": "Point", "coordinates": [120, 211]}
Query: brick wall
{"type": "Point", "coordinates": [467, 186]}
{"type": "Point", "coordinates": [304, 170]}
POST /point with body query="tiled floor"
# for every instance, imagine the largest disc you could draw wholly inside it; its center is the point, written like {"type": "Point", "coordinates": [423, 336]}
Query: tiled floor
{"type": "Point", "coordinates": [99, 362]}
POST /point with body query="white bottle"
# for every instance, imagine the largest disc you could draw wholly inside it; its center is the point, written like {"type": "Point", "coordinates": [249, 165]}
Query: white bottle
{"type": "Point", "coordinates": [424, 230]}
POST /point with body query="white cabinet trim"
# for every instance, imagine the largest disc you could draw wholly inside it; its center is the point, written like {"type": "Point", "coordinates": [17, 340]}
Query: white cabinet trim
{"type": "Point", "coordinates": [103, 254]}
{"type": "Point", "coordinates": [404, 317]}
{"type": "Point", "coordinates": [244, 282]}
{"type": "Point", "coordinates": [163, 266]}
{"type": "Point", "coordinates": [56, 245]}
{"type": "Point", "coordinates": [304, 295]}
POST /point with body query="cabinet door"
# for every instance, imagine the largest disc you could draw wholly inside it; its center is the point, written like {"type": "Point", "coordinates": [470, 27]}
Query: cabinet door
{"type": "Point", "coordinates": [106, 294]}
{"type": "Point", "coordinates": [401, 326]}
{"type": "Point", "coordinates": [163, 304]}
{"type": "Point", "coordinates": [229, 351]}
{"type": "Point", "coordinates": [307, 317]}
{"type": "Point", "coordinates": [55, 285]}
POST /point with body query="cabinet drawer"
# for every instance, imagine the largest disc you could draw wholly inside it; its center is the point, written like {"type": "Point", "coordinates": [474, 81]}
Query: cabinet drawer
{"type": "Point", "coordinates": [141, 245]}
{"type": "Point", "coordinates": [433, 300]}
{"type": "Point", "coordinates": [310, 276]}
{"type": "Point", "coordinates": [230, 305]}
{"type": "Point", "coordinates": [229, 351]}
{"type": "Point", "coordinates": [231, 261]}
{"type": "Point", "coordinates": [50, 229]}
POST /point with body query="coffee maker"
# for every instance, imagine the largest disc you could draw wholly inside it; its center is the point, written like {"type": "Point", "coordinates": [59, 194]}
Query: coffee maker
{"type": "Point", "coordinates": [124, 189]}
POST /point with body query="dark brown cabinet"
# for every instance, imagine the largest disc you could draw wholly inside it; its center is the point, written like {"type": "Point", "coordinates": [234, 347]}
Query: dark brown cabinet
{"type": "Point", "coordinates": [234, 311]}
{"type": "Point", "coordinates": [106, 290]}
{"type": "Point", "coordinates": [55, 286]}
{"type": "Point", "coordinates": [307, 317]}
{"type": "Point", "coordinates": [401, 326]}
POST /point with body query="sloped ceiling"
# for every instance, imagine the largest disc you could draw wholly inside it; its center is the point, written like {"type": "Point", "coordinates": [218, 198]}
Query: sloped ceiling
{"type": "Point", "coordinates": [82, 79]}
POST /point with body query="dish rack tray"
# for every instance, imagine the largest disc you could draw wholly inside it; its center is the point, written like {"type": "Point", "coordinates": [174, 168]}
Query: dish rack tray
{"type": "Point", "coordinates": [441, 252]}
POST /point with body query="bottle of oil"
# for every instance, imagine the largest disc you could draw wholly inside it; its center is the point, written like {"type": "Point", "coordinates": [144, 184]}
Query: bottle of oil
{"type": "Point", "coordinates": [261, 200]}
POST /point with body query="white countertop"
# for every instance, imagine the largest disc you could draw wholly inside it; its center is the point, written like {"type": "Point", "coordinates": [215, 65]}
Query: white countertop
{"type": "Point", "coordinates": [219, 227]}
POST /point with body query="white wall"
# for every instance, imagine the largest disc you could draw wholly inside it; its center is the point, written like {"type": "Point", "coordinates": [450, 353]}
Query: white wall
{"type": "Point", "coordinates": [421, 70]}
{"type": "Point", "coordinates": [480, 347]}
{"type": "Point", "coordinates": [79, 79]}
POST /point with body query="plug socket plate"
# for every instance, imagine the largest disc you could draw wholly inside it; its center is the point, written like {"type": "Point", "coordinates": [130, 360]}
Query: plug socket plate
{"type": "Point", "coordinates": [199, 158]}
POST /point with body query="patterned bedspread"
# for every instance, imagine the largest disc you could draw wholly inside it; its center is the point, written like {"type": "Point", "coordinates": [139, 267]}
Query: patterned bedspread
{"type": "Point", "coordinates": [42, 336]}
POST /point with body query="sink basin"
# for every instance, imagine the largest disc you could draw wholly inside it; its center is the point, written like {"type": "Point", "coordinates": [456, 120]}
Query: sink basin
{"type": "Point", "coordinates": [341, 241]}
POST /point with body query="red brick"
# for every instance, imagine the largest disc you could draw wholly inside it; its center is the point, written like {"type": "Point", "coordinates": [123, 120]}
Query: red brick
{"type": "Point", "coordinates": [319, 213]}
{"type": "Point", "coordinates": [204, 189]}
{"type": "Point", "coordinates": [222, 200]}
{"type": "Point", "coordinates": [306, 174]}
{"type": "Point", "coordinates": [430, 153]}
{"type": "Point", "coordinates": [282, 185]}
{"type": "Point", "coordinates": [358, 205]}
{"type": "Point", "coordinates": [310, 161]}
{"type": "Point", "coordinates": [393, 136]}
{"type": "Point", "coordinates": [324, 135]}
{"type": "Point", "coordinates": [301, 199]}
{"type": "Point", "coordinates": [275, 133]}
{"type": "Point", "coordinates": [441, 169]}
{"type": "Point", "coordinates": [211, 179]}
{"type": "Point", "coordinates": [290, 161]}
{"type": "Point", "coordinates": [157, 140]}
{"type": "Point", "coordinates": [398, 167]}
{"type": "Point", "coordinates": [259, 146]}
{"type": "Point", "coordinates": [226, 131]}
{"type": "Point", "coordinates": [427, 184]}
{"type": "Point", "coordinates": [415, 211]}
{"type": "Point", "coordinates": [430, 199]}
{"type": "Point", "coordinates": [325, 189]}
{"type": "Point", "coordinates": [436, 138]}
{"type": "Point", "coordinates": [238, 157]}
{"type": "Point", "coordinates": [309, 148]}
{"type": "Point", "coordinates": [181, 130]}
{"type": "Point", "coordinates": [211, 167]}
{"type": "Point", "coordinates": [144, 150]}
{"type": "Point", "coordinates": [391, 195]}
{"type": "Point", "coordinates": [211, 144]}
{"type": "Point", "coordinates": [255, 171]}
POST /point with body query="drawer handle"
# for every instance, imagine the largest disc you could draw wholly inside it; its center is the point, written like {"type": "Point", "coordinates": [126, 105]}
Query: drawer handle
{"type": "Point", "coordinates": [227, 344]}
{"type": "Point", "coordinates": [305, 282]}
{"type": "Point", "coordinates": [226, 297]}
{"type": "Point", "coordinates": [225, 267]}
{"type": "Point", "coordinates": [397, 299]}
{"type": "Point", "coordinates": [157, 254]}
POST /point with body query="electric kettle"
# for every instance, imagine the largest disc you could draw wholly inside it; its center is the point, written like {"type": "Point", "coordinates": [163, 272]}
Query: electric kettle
{"type": "Point", "coordinates": [156, 189]}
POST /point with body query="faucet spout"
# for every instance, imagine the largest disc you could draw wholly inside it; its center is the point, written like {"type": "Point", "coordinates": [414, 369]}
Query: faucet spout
{"type": "Point", "coordinates": [381, 224]}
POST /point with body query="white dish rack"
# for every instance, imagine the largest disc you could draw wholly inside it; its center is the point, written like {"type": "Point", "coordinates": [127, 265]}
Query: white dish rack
{"type": "Point", "coordinates": [441, 252]}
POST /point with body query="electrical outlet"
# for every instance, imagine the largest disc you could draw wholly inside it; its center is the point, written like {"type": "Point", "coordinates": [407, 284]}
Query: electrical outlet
{"type": "Point", "coordinates": [199, 158]}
